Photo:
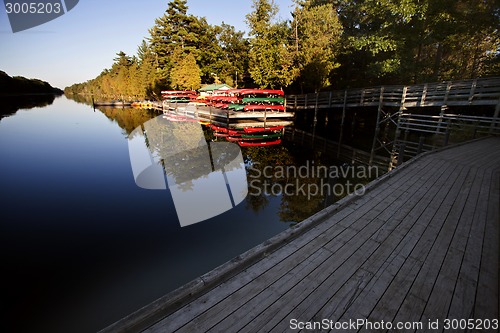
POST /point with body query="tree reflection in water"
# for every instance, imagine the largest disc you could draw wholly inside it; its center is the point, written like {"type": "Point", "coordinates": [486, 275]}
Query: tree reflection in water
{"type": "Point", "coordinates": [187, 159]}
{"type": "Point", "coordinates": [12, 104]}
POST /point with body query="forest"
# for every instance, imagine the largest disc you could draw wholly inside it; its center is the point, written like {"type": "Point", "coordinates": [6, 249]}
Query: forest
{"type": "Point", "coordinates": [328, 44]}
{"type": "Point", "coordinates": [19, 85]}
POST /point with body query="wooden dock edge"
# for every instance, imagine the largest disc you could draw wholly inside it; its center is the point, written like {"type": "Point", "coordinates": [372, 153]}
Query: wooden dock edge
{"type": "Point", "coordinates": [162, 307]}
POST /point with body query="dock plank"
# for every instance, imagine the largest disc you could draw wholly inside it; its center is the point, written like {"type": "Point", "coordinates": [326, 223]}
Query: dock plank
{"type": "Point", "coordinates": [462, 304]}
{"type": "Point", "coordinates": [402, 243]}
{"type": "Point", "coordinates": [387, 289]}
{"type": "Point", "coordinates": [438, 303]}
{"type": "Point", "coordinates": [390, 224]}
{"type": "Point", "coordinates": [431, 249]}
{"type": "Point", "coordinates": [486, 306]}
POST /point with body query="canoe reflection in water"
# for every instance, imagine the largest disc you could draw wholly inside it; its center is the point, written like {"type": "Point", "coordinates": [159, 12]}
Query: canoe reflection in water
{"type": "Point", "coordinates": [205, 180]}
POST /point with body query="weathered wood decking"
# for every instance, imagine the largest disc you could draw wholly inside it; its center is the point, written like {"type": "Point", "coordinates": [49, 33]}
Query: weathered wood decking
{"type": "Point", "coordinates": [422, 244]}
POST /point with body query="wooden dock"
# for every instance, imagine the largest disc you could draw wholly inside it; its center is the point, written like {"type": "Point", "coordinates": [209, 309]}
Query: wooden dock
{"type": "Point", "coordinates": [398, 109]}
{"type": "Point", "coordinates": [477, 92]}
{"type": "Point", "coordinates": [421, 245]}
{"type": "Point", "coordinates": [230, 118]}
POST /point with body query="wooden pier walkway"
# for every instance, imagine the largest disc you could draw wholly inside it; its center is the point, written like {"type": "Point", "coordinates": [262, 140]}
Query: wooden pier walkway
{"type": "Point", "coordinates": [421, 245]}
{"type": "Point", "coordinates": [478, 92]}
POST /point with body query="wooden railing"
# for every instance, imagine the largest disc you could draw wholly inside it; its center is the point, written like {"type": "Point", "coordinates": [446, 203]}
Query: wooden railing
{"type": "Point", "coordinates": [415, 133]}
{"type": "Point", "coordinates": [419, 133]}
{"type": "Point", "coordinates": [483, 91]}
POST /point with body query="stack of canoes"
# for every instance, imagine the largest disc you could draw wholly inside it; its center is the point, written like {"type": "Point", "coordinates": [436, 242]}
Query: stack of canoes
{"type": "Point", "coordinates": [223, 99]}
{"type": "Point", "coordinates": [250, 136]}
{"type": "Point", "coordinates": [254, 100]}
{"type": "Point", "coordinates": [259, 100]}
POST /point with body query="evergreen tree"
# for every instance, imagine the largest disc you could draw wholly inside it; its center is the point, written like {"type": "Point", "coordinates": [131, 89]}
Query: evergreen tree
{"type": "Point", "coordinates": [148, 69]}
{"type": "Point", "coordinates": [207, 48]}
{"type": "Point", "coordinates": [174, 30]}
{"type": "Point", "coordinates": [271, 62]}
{"type": "Point", "coordinates": [185, 73]}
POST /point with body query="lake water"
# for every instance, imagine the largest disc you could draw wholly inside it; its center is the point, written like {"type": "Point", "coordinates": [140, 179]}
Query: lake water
{"type": "Point", "coordinates": [83, 246]}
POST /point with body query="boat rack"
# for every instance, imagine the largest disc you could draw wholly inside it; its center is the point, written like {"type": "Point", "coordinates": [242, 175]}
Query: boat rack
{"type": "Point", "coordinates": [229, 118]}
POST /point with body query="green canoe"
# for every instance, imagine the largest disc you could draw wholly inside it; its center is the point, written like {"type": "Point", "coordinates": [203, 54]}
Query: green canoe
{"type": "Point", "coordinates": [261, 136]}
{"type": "Point", "coordinates": [236, 107]}
{"type": "Point", "coordinates": [267, 100]}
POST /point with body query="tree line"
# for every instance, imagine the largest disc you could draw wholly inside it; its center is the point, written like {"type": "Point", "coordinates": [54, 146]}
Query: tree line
{"type": "Point", "coordinates": [19, 85]}
{"type": "Point", "coordinates": [328, 44]}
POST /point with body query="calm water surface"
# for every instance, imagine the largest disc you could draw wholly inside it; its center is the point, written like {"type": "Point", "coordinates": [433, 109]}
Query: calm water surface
{"type": "Point", "coordinates": [82, 245]}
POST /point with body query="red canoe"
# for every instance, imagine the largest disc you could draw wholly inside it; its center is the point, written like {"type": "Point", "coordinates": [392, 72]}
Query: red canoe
{"type": "Point", "coordinates": [260, 107]}
{"type": "Point", "coordinates": [221, 105]}
{"type": "Point", "coordinates": [262, 129]}
{"type": "Point", "coordinates": [261, 92]}
{"type": "Point", "coordinates": [218, 128]}
{"type": "Point", "coordinates": [225, 130]}
{"type": "Point", "coordinates": [258, 144]}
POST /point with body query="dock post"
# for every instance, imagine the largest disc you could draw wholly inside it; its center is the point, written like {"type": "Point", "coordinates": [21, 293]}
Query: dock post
{"type": "Point", "coordinates": [447, 94]}
{"type": "Point", "coordinates": [447, 135]}
{"type": "Point", "coordinates": [494, 122]}
{"type": "Point", "coordinates": [403, 99]}
{"type": "Point", "coordinates": [342, 122]}
{"type": "Point", "coordinates": [315, 120]}
{"type": "Point", "coordinates": [423, 96]}
{"type": "Point", "coordinates": [401, 155]}
{"type": "Point", "coordinates": [377, 126]}
{"type": "Point", "coordinates": [472, 91]}
{"type": "Point", "coordinates": [444, 107]}
{"type": "Point", "coordinates": [295, 111]}
{"type": "Point", "coordinates": [420, 145]}
{"type": "Point", "coordinates": [397, 134]}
